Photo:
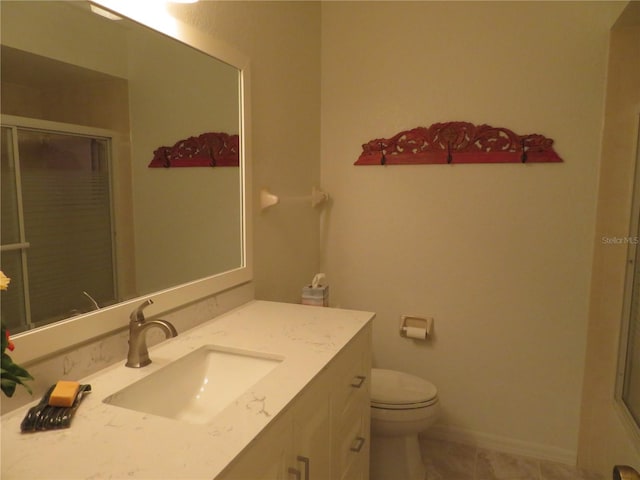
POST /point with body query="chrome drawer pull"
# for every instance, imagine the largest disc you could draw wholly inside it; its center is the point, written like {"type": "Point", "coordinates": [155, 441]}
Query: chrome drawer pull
{"type": "Point", "coordinates": [358, 381]}
{"type": "Point", "coordinates": [296, 472]}
{"type": "Point", "coordinates": [357, 444]}
{"type": "Point", "coordinates": [305, 461]}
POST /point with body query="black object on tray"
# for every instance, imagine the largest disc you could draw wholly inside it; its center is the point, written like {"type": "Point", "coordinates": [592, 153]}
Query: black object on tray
{"type": "Point", "coordinates": [45, 417]}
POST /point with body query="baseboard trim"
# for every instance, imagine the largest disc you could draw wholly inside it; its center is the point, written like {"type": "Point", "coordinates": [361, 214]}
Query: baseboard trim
{"type": "Point", "coordinates": [502, 444]}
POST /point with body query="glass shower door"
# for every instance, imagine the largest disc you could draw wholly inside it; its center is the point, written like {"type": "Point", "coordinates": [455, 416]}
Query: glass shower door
{"type": "Point", "coordinates": [13, 247]}
{"type": "Point", "coordinates": [57, 235]}
{"type": "Point", "coordinates": [631, 382]}
{"type": "Point", "coordinates": [628, 384]}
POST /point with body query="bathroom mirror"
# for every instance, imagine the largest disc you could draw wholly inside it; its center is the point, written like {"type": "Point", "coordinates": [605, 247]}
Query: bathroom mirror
{"type": "Point", "coordinates": [130, 78]}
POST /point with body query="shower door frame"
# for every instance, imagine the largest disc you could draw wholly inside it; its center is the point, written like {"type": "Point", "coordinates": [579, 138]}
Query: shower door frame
{"type": "Point", "coordinates": [633, 252]}
{"type": "Point", "coordinates": [16, 123]}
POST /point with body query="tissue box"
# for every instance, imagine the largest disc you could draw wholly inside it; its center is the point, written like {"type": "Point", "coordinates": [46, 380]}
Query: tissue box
{"type": "Point", "coordinates": [318, 296]}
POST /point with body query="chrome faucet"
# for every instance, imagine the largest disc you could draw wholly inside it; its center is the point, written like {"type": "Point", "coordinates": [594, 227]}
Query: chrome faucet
{"type": "Point", "coordinates": [138, 355]}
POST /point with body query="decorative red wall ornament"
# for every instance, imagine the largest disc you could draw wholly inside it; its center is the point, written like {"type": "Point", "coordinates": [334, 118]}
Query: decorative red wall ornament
{"type": "Point", "coordinates": [457, 142]}
{"type": "Point", "coordinates": [206, 150]}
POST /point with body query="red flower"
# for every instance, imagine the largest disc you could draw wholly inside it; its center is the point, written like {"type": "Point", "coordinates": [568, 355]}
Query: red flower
{"type": "Point", "coordinates": [10, 344]}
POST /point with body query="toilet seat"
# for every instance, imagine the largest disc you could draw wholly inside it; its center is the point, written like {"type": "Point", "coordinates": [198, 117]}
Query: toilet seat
{"type": "Point", "coordinates": [402, 406]}
{"type": "Point", "coordinates": [393, 390]}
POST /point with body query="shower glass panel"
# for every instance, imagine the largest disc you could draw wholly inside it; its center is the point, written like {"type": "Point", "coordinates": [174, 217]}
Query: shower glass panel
{"type": "Point", "coordinates": [10, 233]}
{"type": "Point", "coordinates": [628, 384]}
{"type": "Point", "coordinates": [13, 302]}
{"type": "Point", "coordinates": [57, 235]}
{"type": "Point", "coordinates": [631, 383]}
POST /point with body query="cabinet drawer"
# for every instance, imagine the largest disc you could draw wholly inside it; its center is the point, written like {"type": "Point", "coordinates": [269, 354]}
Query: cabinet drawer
{"type": "Point", "coordinates": [351, 448]}
{"type": "Point", "coordinates": [357, 469]}
{"type": "Point", "coordinates": [351, 374]}
{"type": "Point", "coordinates": [267, 458]}
{"type": "Point", "coordinates": [350, 409]}
{"type": "Point", "coordinates": [325, 433]}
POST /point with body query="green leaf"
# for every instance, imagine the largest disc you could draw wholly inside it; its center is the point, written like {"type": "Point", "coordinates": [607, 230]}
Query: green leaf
{"type": "Point", "coordinates": [11, 374]}
{"type": "Point", "coordinates": [8, 387]}
{"type": "Point", "coordinates": [17, 370]}
{"type": "Point", "coordinates": [3, 340]}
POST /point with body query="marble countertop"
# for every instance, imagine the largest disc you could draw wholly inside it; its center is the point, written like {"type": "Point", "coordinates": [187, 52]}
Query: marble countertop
{"type": "Point", "coordinates": [106, 441]}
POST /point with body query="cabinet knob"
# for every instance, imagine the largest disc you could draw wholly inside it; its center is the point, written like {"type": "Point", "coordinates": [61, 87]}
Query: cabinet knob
{"type": "Point", "coordinates": [357, 444]}
{"type": "Point", "coordinates": [358, 381]}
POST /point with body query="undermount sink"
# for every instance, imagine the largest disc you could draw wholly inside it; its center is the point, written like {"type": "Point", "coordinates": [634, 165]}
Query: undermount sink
{"type": "Point", "coordinates": [197, 386]}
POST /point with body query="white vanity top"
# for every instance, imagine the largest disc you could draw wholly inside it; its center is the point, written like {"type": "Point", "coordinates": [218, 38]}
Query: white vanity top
{"type": "Point", "coordinates": [106, 441]}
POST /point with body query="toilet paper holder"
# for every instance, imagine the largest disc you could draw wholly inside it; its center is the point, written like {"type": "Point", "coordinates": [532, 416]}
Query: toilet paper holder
{"type": "Point", "coordinates": [413, 326]}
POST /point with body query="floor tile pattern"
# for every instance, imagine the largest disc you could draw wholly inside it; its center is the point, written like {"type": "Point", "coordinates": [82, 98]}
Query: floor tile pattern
{"type": "Point", "coordinates": [454, 461]}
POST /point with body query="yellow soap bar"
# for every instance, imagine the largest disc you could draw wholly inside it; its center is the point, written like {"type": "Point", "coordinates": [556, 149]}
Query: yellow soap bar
{"type": "Point", "coordinates": [64, 393]}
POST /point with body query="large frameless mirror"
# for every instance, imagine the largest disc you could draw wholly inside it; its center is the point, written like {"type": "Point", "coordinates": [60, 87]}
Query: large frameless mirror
{"type": "Point", "coordinates": [89, 99]}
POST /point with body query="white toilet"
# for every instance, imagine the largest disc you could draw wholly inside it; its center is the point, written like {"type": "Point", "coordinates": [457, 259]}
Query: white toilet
{"type": "Point", "coordinates": [402, 406]}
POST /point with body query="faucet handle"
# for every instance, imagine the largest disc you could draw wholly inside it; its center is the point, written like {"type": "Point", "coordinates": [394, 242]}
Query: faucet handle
{"type": "Point", "coordinates": [137, 316]}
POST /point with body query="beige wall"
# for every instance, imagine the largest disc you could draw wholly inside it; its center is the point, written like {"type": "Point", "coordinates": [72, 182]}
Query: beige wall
{"type": "Point", "coordinates": [500, 255]}
{"type": "Point", "coordinates": [282, 40]}
{"type": "Point", "coordinates": [65, 24]}
{"type": "Point", "coordinates": [604, 438]}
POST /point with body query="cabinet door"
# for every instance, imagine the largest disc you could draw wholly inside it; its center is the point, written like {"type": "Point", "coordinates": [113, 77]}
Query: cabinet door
{"type": "Point", "coordinates": [351, 372]}
{"type": "Point", "coordinates": [350, 410]}
{"type": "Point", "coordinates": [312, 431]}
{"type": "Point", "coordinates": [351, 450]}
{"type": "Point", "coordinates": [325, 434]}
{"type": "Point", "coordinates": [268, 456]}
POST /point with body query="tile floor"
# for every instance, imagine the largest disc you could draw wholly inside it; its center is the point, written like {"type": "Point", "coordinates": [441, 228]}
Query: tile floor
{"type": "Point", "coordinates": [455, 461]}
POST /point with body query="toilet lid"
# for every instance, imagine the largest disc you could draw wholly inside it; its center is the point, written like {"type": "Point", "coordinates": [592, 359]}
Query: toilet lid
{"type": "Point", "coordinates": [392, 388]}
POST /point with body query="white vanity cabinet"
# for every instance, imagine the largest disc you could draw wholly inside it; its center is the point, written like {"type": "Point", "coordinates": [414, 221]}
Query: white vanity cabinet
{"type": "Point", "coordinates": [307, 419]}
{"type": "Point", "coordinates": [350, 410]}
{"type": "Point", "coordinates": [268, 455]}
{"type": "Point", "coordinates": [312, 431]}
{"type": "Point", "coordinates": [324, 433]}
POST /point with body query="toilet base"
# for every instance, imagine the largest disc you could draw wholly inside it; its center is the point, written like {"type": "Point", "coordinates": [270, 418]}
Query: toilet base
{"type": "Point", "coordinates": [396, 457]}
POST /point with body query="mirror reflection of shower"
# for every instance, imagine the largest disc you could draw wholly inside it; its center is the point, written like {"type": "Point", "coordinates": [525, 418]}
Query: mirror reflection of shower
{"type": "Point", "coordinates": [57, 234]}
